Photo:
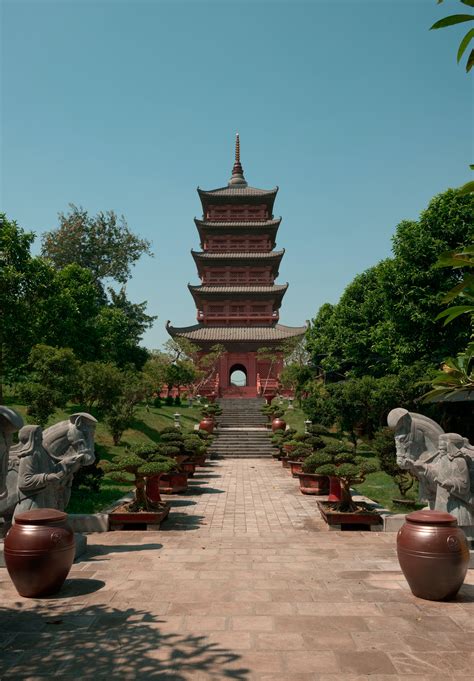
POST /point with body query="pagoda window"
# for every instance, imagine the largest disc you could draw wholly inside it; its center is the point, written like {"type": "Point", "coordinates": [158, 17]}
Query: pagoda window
{"type": "Point", "coordinates": [241, 213]}
{"type": "Point", "coordinates": [216, 309]}
{"type": "Point", "coordinates": [237, 310]}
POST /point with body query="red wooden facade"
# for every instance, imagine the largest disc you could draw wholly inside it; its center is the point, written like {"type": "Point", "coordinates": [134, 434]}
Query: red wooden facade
{"type": "Point", "coordinates": [238, 301]}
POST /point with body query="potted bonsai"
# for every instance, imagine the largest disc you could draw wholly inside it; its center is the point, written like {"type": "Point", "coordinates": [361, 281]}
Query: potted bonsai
{"type": "Point", "coordinates": [196, 448]}
{"type": "Point", "coordinates": [342, 463]}
{"type": "Point", "coordinates": [305, 447]}
{"type": "Point", "coordinates": [137, 465]}
{"type": "Point", "coordinates": [208, 417]}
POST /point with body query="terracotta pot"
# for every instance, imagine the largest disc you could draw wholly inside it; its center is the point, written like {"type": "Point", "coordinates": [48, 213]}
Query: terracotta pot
{"type": "Point", "coordinates": [311, 483]}
{"type": "Point", "coordinates": [296, 467]}
{"type": "Point", "coordinates": [121, 519]}
{"type": "Point", "coordinates": [335, 493]}
{"type": "Point", "coordinates": [207, 423]}
{"type": "Point", "coordinates": [188, 467]}
{"type": "Point", "coordinates": [278, 424]}
{"type": "Point", "coordinates": [173, 483]}
{"type": "Point", "coordinates": [153, 488]}
{"type": "Point", "coordinates": [200, 460]}
{"type": "Point", "coordinates": [289, 448]}
{"type": "Point", "coordinates": [433, 553]}
{"type": "Point", "coordinates": [362, 519]}
{"type": "Point", "coordinates": [285, 462]}
{"type": "Point", "coordinates": [39, 552]}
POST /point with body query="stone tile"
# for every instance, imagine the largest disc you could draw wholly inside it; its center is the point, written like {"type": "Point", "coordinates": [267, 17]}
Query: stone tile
{"type": "Point", "coordinates": [252, 623]}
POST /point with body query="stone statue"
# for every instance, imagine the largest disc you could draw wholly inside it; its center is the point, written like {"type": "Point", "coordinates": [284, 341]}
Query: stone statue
{"type": "Point", "coordinates": [39, 476]}
{"type": "Point", "coordinates": [10, 422]}
{"type": "Point", "coordinates": [69, 442]}
{"type": "Point", "coordinates": [416, 441]}
{"type": "Point", "coordinates": [442, 462]}
{"type": "Point", "coordinates": [66, 438]}
{"type": "Point", "coordinates": [451, 472]}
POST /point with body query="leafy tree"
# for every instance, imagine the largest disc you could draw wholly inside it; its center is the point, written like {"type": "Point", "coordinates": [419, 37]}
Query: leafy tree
{"type": "Point", "coordinates": [178, 374]}
{"type": "Point", "coordinates": [24, 283]}
{"type": "Point", "coordinates": [103, 244]}
{"type": "Point", "coordinates": [100, 385]}
{"type": "Point", "coordinates": [51, 383]}
{"type": "Point", "coordinates": [384, 447]}
{"type": "Point", "coordinates": [385, 320]}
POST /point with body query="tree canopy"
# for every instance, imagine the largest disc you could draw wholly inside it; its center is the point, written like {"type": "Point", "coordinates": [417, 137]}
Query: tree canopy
{"type": "Point", "coordinates": [386, 317]}
{"type": "Point", "coordinates": [103, 244]}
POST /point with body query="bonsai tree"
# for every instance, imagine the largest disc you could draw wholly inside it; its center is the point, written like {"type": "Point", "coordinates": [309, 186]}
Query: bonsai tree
{"type": "Point", "coordinates": [338, 461]}
{"type": "Point", "coordinates": [135, 465]}
{"type": "Point", "coordinates": [211, 410]}
{"type": "Point", "coordinates": [301, 452]}
{"type": "Point", "coordinates": [384, 447]}
{"type": "Point", "coordinates": [194, 446]}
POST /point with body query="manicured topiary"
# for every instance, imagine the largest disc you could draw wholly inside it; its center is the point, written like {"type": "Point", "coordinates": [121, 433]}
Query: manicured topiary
{"type": "Point", "coordinates": [340, 462]}
{"type": "Point", "coordinates": [134, 466]}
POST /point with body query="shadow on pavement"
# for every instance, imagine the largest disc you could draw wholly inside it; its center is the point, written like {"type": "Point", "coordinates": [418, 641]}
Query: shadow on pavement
{"type": "Point", "coordinates": [102, 642]}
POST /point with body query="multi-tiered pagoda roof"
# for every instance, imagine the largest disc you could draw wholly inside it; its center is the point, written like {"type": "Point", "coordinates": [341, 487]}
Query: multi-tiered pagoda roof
{"type": "Point", "coordinates": [237, 300]}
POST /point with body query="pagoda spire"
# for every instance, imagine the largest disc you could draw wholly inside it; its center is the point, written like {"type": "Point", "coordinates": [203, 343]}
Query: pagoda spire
{"type": "Point", "coordinates": [237, 171]}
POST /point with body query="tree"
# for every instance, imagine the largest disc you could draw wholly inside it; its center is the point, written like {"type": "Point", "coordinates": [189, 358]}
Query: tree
{"type": "Point", "coordinates": [24, 283]}
{"type": "Point", "coordinates": [341, 463]}
{"type": "Point", "coordinates": [384, 447]}
{"type": "Point", "coordinates": [100, 385]}
{"type": "Point", "coordinates": [104, 244]}
{"type": "Point", "coordinates": [385, 319]}
{"type": "Point", "coordinates": [51, 383]}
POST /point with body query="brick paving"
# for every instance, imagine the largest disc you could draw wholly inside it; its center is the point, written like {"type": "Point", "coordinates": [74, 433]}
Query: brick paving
{"type": "Point", "coordinates": [245, 582]}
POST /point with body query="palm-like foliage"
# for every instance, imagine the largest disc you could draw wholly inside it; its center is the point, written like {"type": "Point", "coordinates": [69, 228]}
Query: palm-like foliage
{"type": "Point", "coordinates": [457, 374]}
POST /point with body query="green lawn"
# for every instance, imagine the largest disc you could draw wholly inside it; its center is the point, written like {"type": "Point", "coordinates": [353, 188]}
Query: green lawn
{"type": "Point", "coordinates": [143, 430]}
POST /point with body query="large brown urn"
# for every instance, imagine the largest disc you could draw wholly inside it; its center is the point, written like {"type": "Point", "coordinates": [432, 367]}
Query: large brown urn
{"type": "Point", "coordinates": [39, 552]}
{"type": "Point", "coordinates": [433, 554]}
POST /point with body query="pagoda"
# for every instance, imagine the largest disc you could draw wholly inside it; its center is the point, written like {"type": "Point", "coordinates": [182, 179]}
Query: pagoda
{"type": "Point", "coordinates": [237, 300]}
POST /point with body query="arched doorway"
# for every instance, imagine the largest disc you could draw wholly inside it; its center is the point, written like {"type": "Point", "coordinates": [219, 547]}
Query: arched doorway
{"type": "Point", "coordinates": [238, 375]}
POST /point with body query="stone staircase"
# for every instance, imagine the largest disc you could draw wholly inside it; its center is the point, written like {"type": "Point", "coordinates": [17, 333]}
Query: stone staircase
{"type": "Point", "coordinates": [242, 431]}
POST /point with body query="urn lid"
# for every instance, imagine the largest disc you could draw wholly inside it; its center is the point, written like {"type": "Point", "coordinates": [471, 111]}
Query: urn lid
{"type": "Point", "coordinates": [41, 516]}
{"type": "Point", "coordinates": [427, 517]}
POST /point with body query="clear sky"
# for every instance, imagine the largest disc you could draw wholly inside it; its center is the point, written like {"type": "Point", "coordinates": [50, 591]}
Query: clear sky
{"type": "Point", "coordinates": [355, 109]}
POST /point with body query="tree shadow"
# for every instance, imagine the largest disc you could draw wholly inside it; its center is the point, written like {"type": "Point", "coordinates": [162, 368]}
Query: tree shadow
{"type": "Point", "coordinates": [182, 502]}
{"type": "Point", "coordinates": [465, 594]}
{"type": "Point", "coordinates": [104, 549]}
{"type": "Point", "coordinates": [101, 642]}
{"type": "Point", "coordinates": [182, 522]}
{"type": "Point", "coordinates": [78, 587]}
{"type": "Point", "coordinates": [147, 430]}
{"type": "Point", "coordinates": [196, 489]}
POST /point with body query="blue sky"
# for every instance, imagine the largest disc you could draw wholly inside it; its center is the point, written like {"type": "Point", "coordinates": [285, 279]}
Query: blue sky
{"type": "Point", "coordinates": [355, 109]}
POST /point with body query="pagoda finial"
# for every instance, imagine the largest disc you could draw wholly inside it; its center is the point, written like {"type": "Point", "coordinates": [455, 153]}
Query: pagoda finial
{"type": "Point", "coordinates": [237, 171]}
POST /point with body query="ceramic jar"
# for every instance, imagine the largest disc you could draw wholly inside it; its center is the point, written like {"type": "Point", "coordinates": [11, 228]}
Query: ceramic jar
{"type": "Point", "coordinates": [39, 552]}
{"type": "Point", "coordinates": [433, 553]}
{"type": "Point", "coordinates": [207, 424]}
{"type": "Point", "coordinates": [278, 424]}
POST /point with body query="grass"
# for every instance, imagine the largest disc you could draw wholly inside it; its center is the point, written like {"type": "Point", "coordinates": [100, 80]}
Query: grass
{"type": "Point", "coordinates": [144, 429]}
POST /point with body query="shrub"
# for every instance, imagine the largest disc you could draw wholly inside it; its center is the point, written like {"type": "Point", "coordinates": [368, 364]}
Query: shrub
{"type": "Point", "coordinates": [177, 401]}
{"type": "Point", "coordinates": [169, 401]}
{"type": "Point", "coordinates": [342, 463]}
{"type": "Point", "coordinates": [134, 466]}
{"type": "Point", "coordinates": [384, 446]}
{"type": "Point", "coordinates": [157, 402]}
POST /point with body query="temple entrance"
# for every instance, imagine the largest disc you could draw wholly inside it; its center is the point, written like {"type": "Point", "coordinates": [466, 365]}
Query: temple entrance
{"type": "Point", "coordinates": [238, 375]}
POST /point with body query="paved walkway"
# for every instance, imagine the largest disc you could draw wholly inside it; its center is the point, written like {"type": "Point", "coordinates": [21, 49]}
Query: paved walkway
{"type": "Point", "coordinates": [244, 582]}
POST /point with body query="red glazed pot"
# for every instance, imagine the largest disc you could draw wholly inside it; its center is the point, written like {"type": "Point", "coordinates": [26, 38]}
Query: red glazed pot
{"type": "Point", "coordinates": [278, 424]}
{"type": "Point", "coordinates": [433, 553]}
{"type": "Point", "coordinates": [334, 490]}
{"type": "Point", "coordinates": [188, 467]}
{"type": "Point", "coordinates": [201, 460]}
{"type": "Point", "coordinates": [207, 424]}
{"type": "Point", "coordinates": [153, 488]}
{"type": "Point", "coordinates": [296, 467]}
{"type": "Point", "coordinates": [311, 483]}
{"type": "Point", "coordinates": [39, 552]}
{"type": "Point", "coordinates": [173, 483]}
